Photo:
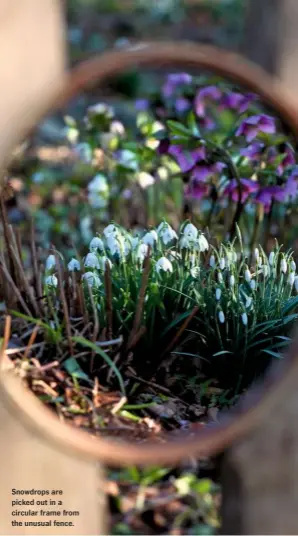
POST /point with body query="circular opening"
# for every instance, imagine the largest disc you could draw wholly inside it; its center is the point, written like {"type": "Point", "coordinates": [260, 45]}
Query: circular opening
{"type": "Point", "coordinates": [181, 133]}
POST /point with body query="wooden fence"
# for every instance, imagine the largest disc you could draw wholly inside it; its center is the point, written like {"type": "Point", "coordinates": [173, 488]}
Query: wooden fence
{"type": "Point", "coordinates": [257, 441]}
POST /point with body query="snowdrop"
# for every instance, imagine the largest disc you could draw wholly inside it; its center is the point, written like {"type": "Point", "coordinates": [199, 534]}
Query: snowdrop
{"type": "Point", "coordinates": [128, 159]}
{"type": "Point", "coordinates": [232, 281]}
{"type": "Point", "coordinates": [218, 294]}
{"type": "Point", "coordinates": [296, 283]}
{"type": "Point", "coordinates": [91, 279]}
{"type": "Point", "coordinates": [195, 271]}
{"type": "Point", "coordinates": [222, 263]}
{"type": "Point", "coordinates": [91, 261]}
{"type": "Point", "coordinates": [202, 243]}
{"type": "Point", "coordinates": [221, 317]}
{"type": "Point", "coordinates": [265, 270]}
{"type": "Point", "coordinates": [145, 179]}
{"type": "Point", "coordinates": [271, 258]}
{"type": "Point", "coordinates": [244, 319]}
{"type": "Point", "coordinates": [111, 229]}
{"type": "Point", "coordinates": [256, 254]}
{"type": "Point", "coordinates": [142, 252]}
{"type": "Point", "coordinates": [247, 275]}
{"type": "Point", "coordinates": [190, 231]}
{"type": "Point", "coordinates": [166, 233]}
{"type": "Point", "coordinates": [291, 278]}
{"type": "Point", "coordinates": [283, 266]}
{"type": "Point", "coordinates": [99, 184]}
{"type": "Point", "coordinates": [293, 265]}
{"type": "Point", "coordinates": [50, 262]}
{"type": "Point", "coordinates": [118, 245]}
{"type": "Point", "coordinates": [150, 238]}
{"type": "Point", "coordinates": [212, 261]}
{"type": "Point", "coordinates": [96, 244]}
{"type": "Point", "coordinates": [248, 302]}
{"type": "Point", "coordinates": [103, 261]}
{"type": "Point", "coordinates": [100, 109]}
{"type": "Point", "coordinates": [253, 284]}
{"type": "Point", "coordinates": [51, 281]}
{"type": "Point", "coordinates": [219, 277]}
{"type": "Point", "coordinates": [73, 265]}
{"type": "Point", "coordinates": [164, 264]}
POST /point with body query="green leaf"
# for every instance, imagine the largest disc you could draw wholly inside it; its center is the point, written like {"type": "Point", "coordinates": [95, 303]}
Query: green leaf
{"type": "Point", "coordinates": [273, 354]}
{"type": "Point", "coordinates": [178, 129]}
{"type": "Point", "coordinates": [73, 368]}
{"type": "Point", "coordinates": [99, 351]}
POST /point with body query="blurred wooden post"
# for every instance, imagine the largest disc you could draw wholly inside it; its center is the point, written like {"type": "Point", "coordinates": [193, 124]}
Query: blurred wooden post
{"type": "Point", "coordinates": [32, 63]}
{"type": "Point", "coordinates": [260, 472]}
{"type": "Point", "coordinates": [271, 38]}
{"type": "Point", "coordinates": [33, 68]}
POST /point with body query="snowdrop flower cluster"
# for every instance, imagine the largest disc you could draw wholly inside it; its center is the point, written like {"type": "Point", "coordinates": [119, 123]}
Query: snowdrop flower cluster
{"type": "Point", "coordinates": [98, 191]}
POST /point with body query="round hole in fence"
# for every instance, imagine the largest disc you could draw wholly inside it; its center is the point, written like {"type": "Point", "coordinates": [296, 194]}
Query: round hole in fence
{"type": "Point", "coordinates": [148, 291]}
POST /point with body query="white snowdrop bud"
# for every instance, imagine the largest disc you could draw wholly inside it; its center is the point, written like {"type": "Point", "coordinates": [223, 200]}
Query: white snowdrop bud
{"type": "Point", "coordinates": [244, 319]}
{"type": "Point", "coordinates": [248, 302]}
{"type": "Point", "coordinates": [202, 243]}
{"type": "Point", "coordinates": [283, 266]}
{"type": "Point", "coordinates": [271, 258]}
{"type": "Point", "coordinates": [260, 261]}
{"type": "Point", "coordinates": [212, 261]}
{"type": "Point", "coordinates": [220, 277]}
{"type": "Point", "coordinates": [51, 281]}
{"type": "Point", "coordinates": [218, 294]}
{"type": "Point", "coordinates": [222, 263]}
{"type": "Point", "coordinates": [247, 275]}
{"type": "Point", "coordinates": [150, 238]}
{"type": "Point", "coordinates": [235, 258]}
{"type": "Point", "coordinates": [50, 262]}
{"type": "Point", "coordinates": [73, 265]}
{"type": "Point", "coordinates": [232, 280]}
{"type": "Point", "coordinates": [91, 279]}
{"type": "Point", "coordinates": [293, 265]}
{"type": "Point", "coordinates": [256, 254]}
{"type": "Point", "coordinates": [265, 269]}
{"type": "Point", "coordinates": [296, 283]}
{"type": "Point", "coordinates": [253, 284]}
{"type": "Point", "coordinates": [291, 278]}
{"type": "Point", "coordinates": [91, 261]}
{"type": "Point", "coordinates": [95, 244]}
{"type": "Point", "coordinates": [164, 264]}
{"type": "Point", "coordinates": [221, 317]}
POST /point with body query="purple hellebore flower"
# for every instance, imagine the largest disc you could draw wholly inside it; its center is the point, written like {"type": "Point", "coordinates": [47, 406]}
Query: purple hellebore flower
{"type": "Point", "coordinates": [237, 101]}
{"type": "Point", "coordinates": [141, 105]}
{"type": "Point", "coordinates": [288, 159]}
{"type": "Point", "coordinates": [182, 104]}
{"type": "Point", "coordinates": [281, 194]}
{"type": "Point", "coordinates": [203, 171]}
{"type": "Point", "coordinates": [187, 159]}
{"type": "Point", "coordinates": [173, 81]}
{"type": "Point", "coordinates": [254, 124]}
{"type": "Point", "coordinates": [208, 93]}
{"type": "Point", "coordinates": [253, 151]}
{"type": "Point", "coordinates": [247, 186]}
{"type": "Point", "coordinates": [197, 189]}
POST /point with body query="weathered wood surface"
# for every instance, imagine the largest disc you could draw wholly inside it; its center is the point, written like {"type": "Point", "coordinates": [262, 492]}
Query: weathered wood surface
{"type": "Point", "coordinates": [32, 60]}
{"type": "Point", "coordinates": [260, 473]}
{"type": "Point", "coordinates": [271, 38]}
{"type": "Point", "coordinates": [30, 460]}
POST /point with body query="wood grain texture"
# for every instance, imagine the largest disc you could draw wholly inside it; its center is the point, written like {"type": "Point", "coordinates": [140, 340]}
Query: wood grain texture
{"type": "Point", "coordinates": [32, 59]}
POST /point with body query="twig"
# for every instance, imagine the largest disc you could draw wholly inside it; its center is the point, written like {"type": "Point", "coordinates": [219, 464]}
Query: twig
{"type": "Point", "coordinates": [5, 341]}
{"type": "Point", "coordinates": [14, 288]}
{"type": "Point", "coordinates": [31, 341]}
{"type": "Point", "coordinates": [140, 304]}
{"type": "Point", "coordinates": [64, 304]}
{"type": "Point", "coordinates": [180, 331]}
{"type": "Point", "coordinates": [109, 305]}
